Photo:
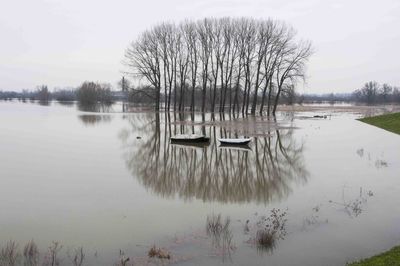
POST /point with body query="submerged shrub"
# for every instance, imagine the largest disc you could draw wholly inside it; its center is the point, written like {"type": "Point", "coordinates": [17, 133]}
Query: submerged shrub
{"type": "Point", "coordinates": [90, 93]}
{"type": "Point", "coordinates": [270, 230]}
{"type": "Point", "coordinates": [43, 94]}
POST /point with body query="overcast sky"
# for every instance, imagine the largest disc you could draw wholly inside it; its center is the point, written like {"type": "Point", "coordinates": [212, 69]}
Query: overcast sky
{"type": "Point", "coordinates": [65, 42]}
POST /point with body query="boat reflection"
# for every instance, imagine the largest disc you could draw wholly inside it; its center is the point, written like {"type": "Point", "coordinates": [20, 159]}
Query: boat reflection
{"type": "Point", "coordinates": [262, 174]}
{"type": "Point", "coordinates": [190, 144]}
{"type": "Point", "coordinates": [242, 147]}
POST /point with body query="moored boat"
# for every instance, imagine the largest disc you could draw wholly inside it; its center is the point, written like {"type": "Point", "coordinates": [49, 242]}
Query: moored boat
{"type": "Point", "coordinates": [236, 141]}
{"type": "Point", "coordinates": [189, 138]}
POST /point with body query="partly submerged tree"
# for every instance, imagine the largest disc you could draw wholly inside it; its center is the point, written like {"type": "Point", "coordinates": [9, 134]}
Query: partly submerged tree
{"type": "Point", "coordinates": [90, 93]}
{"type": "Point", "coordinates": [43, 94]}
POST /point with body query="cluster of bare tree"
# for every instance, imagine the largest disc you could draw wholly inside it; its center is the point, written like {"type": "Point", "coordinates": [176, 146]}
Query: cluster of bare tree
{"type": "Point", "coordinates": [227, 64]}
{"type": "Point", "coordinates": [372, 93]}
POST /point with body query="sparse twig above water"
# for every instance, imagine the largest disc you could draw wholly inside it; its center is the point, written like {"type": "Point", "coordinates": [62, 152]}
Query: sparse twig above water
{"type": "Point", "coordinates": [221, 234]}
{"type": "Point", "coordinates": [77, 257]}
{"type": "Point", "coordinates": [314, 219]}
{"type": "Point", "coordinates": [52, 257]}
{"type": "Point", "coordinates": [356, 206]}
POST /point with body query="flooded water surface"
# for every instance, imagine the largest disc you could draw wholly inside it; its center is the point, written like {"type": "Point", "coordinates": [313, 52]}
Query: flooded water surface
{"type": "Point", "coordinates": [306, 191]}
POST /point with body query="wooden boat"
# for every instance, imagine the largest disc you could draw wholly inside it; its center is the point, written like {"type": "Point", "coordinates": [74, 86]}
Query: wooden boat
{"type": "Point", "coordinates": [190, 138]}
{"type": "Point", "coordinates": [237, 141]}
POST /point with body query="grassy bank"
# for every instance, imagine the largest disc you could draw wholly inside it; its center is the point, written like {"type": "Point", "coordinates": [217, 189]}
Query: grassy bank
{"type": "Point", "coordinates": [389, 122]}
{"type": "Point", "coordinates": [391, 257]}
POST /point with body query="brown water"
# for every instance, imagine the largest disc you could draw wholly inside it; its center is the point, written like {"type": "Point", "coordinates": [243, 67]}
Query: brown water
{"type": "Point", "coordinates": [86, 179]}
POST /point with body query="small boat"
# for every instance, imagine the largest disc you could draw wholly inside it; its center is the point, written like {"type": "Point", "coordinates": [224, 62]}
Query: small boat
{"type": "Point", "coordinates": [190, 138]}
{"type": "Point", "coordinates": [237, 141]}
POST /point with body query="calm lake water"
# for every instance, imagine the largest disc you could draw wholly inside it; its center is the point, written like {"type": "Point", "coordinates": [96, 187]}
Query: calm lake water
{"type": "Point", "coordinates": [112, 182]}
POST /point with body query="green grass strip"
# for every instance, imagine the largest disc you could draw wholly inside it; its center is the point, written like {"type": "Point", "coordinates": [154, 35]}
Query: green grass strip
{"type": "Point", "coordinates": [388, 258]}
{"type": "Point", "coordinates": [389, 122]}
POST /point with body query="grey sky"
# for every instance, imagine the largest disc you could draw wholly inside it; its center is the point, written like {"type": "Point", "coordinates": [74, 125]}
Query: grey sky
{"type": "Point", "coordinates": [63, 43]}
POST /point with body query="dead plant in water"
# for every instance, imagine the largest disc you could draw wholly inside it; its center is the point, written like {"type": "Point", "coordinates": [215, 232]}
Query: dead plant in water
{"type": "Point", "coordinates": [31, 254]}
{"type": "Point", "coordinates": [51, 259]}
{"type": "Point", "coordinates": [221, 234]}
{"type": "Point", "coordinates": [265, 240]}
{"type": "Point", "coordinates": [354, 207]}
{"type": "Point", "coordinates": [314, 219]}
{"type": "Point", "coordinates": [155, 252]}
{"type": "Point", "coordinates": [78, 257]}
{"type": "Point", "coordinates": [123, 260]}
{"type": "Point", "coordinates": [270, 230]}
{"type": "Point", "coordinates": [213, 225]}
{"type": "Point", "coordinates": [9, 255]}
{"type": "Point", "coordinates": [380, 164]}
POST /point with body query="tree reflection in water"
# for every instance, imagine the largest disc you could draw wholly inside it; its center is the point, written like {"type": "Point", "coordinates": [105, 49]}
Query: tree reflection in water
{"type": "Point", "coordinates": [95, 108]}
{"type": "Point", "coordinates": [91, 120]}
{"type": "Point", "coordinates": [94, 119]}
{"type": "Point", "coordinates": [262, 174]}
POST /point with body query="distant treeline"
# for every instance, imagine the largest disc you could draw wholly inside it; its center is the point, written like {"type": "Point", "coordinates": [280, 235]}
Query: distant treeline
{"type": "Point", "coordinates": [41, 93]}
{"type": "Point", "coordinates": [371, 93]}
{"type": "Point", "coordinates": [90, 93]}
{"type": "Point", "coordinates": [226, 64]}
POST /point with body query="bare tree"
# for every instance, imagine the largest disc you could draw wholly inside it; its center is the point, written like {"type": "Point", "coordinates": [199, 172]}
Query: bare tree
{"type": "Point", "coordinates": [191, 38]}
{"type": "Point", "coordinates": [183, 64]}
{"type": "Point", "coordinates": [143, 58]}
{"type": "Point", "coordinates": [204, 31]}
{"type": "Point", "coordinates": [291, 67]}
{"type": "Point", "coordinates": [263, 41]}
